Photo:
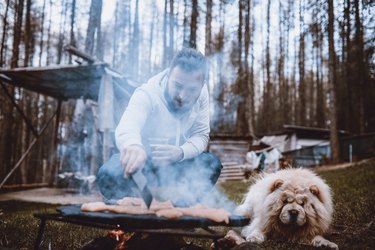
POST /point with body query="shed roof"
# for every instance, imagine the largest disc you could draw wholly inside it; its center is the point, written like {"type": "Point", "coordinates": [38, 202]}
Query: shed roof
{"type": "Point", "coordinates": [312, 132]}
{"type": "Point", "coordinates": [61, 82]}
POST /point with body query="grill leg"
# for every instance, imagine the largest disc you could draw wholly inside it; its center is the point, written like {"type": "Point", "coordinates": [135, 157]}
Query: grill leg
{"type": "Point", "coordinates": [39, 238]}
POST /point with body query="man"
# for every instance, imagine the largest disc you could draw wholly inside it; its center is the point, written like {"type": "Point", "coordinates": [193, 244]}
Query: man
{"type": "Point", "coordinates": [163, 133]}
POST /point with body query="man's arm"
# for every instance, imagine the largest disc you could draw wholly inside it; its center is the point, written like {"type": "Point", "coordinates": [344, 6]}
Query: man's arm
{"type": "Point", "coordinates": [128, 132]}
{"type": "Point", "coordinates": [199, 132]}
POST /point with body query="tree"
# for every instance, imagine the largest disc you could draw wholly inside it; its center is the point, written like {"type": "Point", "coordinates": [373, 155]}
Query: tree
{"type": "Point", "coordinates": [41, 44]}
{"type": "Point", "coordinates": [17, 31]}
{"type": "Point", "coordinates": [249, 71]}
{"type": "Point", "coordinates": [185, 25]}
{"type": "Point", "coordinates": [4, 34]}
{"type": "Point", "coordinates": [171, 30]}
{"type": "Point", "coordinates": [218, 89]}
{"type": "Point", "coordinates": [208, 39]}
{"type": "Point", "coordinates": [135, 43]}
{"type": "Point", "coordinates": [360, 72]}
{"type": "Point", "coordinates": [335, 147]}
{"type": "Point", "coordinates": [194, 24]}
{"type": "Point", "coordinates": [165, 45]}
{"type": "Point", "coordinates": [241, 85]}
{"type": "Point", "coordinates": [28, 34]}
{"type": "Point", "coordinates": [49, 35]}
{"type": "Point", "coordinates": [61, 39]}
{"type": "Point", "coordinates": [93, 27]}
{"type": "Point", "coordinates": [317, 44]}
{"type": "Point", "coordinates": [168, 32]}
{"type": "Point", "coordinates": [72, 22]}
{"type": "Point", "coordinates": [301, 67]}
{"type": "Point", "coordinates": [266, 112]}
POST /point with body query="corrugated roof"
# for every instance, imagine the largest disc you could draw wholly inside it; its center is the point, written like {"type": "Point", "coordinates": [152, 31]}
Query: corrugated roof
{"type": "Point", "coordinates": [61, 82]}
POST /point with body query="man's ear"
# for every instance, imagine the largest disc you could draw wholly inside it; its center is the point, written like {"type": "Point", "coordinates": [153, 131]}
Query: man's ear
{"type": "Point", "coordinates": [276, 185]}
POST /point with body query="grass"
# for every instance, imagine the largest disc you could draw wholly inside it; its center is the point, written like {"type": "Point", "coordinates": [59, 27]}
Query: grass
{"type": "Point", "coordinates": [353, 225]}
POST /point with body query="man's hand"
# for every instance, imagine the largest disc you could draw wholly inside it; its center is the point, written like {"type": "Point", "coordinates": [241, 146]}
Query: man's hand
{"type": "Point", "coordinates": [132, 158]}
{"type": "Point", "coordinates": [163, 155]}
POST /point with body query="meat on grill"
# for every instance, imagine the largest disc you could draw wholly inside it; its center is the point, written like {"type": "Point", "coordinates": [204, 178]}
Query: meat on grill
{"type": "Point", "coordinates": [130, 205]}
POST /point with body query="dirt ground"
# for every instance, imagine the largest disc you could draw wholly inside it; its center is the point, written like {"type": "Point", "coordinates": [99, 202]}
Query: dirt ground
{"type": "Point", "coordinates": [50, 196]}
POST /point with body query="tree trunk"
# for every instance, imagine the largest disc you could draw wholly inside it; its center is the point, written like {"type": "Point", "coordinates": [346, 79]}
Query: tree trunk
{"type": "Point", "coordinates": [49, 54]}
{"type": "Point", "coordinates": [99, 41]}
{"type": "Point", "coordinates": [4, 35]}
{"type": "Point", "coordinates": [249, 71]}
{"type": "Point", "coordinates": [42, 34]}
{"type": "Point", "coordinates": [115, 38]}
{"type": "Point", "coordinates": [151, 39]}
{"type": "Point", "coordinates": [360, 66]}
{"type": "Point", "coordinates": [93, 27]}
{"type": "Point", "coordinates": [301, 67]}
{"type": "Point", "coordinates": [72, 22]}
{"type": "Point", "coordinates": [28, 34]}
{"type": "Point", "coordinates": [17, 29]}
{"type": "Point", "coordinates": [185, 42]}
{"type": "Point", "coordinates": [266, 110]}
{"type": "Point", "coordinates": [281, 119]}
{"type": "Point", "coordinates": [60, 43]}
{"type": "Point", "coordinates": [165, 45]}
{"type": "Point", "coordinates": [135, 43]}
{"type": "Point", "coordinates": [335, 147]}
{"type": "Point", "coordinates": [194, 24]}
{"type": "Point", "coordinates": [171, 30]}
{"type": "Point", "coordinates": [208, 39]}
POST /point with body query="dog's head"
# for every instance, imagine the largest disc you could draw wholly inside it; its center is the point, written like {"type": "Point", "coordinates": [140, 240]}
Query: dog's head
{"type": "Point", "coordinates": [295, 210]}
{"type": "Point", "coordinates": [289, 202]}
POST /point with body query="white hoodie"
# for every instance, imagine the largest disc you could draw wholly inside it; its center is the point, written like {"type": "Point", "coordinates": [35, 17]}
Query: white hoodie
{"type": "Point", "coordinates": [147, 116]}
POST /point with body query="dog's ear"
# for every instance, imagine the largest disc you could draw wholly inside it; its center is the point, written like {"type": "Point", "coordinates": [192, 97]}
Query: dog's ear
{"type": "Point", "coordinates": [315, 191]}
{"type": "Point", "coordinates": [276, 185]}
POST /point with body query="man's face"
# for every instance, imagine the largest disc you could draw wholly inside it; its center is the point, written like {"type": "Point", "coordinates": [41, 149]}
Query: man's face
{"type": "Point", "coordinates": [183, 89]}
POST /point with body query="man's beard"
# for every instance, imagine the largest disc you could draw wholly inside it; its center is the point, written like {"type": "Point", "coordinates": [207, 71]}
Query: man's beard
{"type": "Point", "coordinates": [176, 106]}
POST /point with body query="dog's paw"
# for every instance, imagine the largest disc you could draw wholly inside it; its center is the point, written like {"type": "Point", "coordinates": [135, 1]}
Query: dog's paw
{"type": "Point", "coordinates": [319, 241]}
{"type": "Point", "coordinates": [256, 237]}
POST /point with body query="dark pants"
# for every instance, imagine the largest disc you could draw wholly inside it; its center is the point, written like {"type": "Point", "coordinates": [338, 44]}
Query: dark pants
{"type": "Point", "coordinates": [184, 183]}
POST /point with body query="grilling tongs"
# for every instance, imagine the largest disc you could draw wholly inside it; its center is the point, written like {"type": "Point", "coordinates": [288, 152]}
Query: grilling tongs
{"type": "Point", "coordinates": [141, 182]}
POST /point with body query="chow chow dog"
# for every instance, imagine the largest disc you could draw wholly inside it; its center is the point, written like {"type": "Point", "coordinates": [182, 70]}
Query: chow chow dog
{"type": "Point", "coordinates": [291, 204]}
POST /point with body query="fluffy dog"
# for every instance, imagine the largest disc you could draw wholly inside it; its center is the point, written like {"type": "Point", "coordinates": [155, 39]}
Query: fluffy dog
{"type": "Point", "coordinates": [291, 204]}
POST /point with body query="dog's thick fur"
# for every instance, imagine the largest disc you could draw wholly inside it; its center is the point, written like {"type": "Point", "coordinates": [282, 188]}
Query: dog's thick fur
{"type": "Point", "coordinates": [291, 204]}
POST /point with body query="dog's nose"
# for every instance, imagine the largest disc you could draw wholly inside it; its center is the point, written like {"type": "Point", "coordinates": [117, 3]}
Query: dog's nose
{"type": "Point", "coordinates": [293, 213]}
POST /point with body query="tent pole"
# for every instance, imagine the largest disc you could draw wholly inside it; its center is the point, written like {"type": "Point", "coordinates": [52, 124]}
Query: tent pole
{"type": "Point", "coordinates": [23, 157]}
{"type": "Point", "coordinates": [52, 178]}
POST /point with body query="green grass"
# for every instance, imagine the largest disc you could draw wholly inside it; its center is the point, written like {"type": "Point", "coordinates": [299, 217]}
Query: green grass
{"type": "Point", "coordinates": [353, 225]}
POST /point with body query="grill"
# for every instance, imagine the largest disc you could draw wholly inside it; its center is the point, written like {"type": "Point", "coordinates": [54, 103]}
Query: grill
{"type": "Point", "coordinates": [145, 223]}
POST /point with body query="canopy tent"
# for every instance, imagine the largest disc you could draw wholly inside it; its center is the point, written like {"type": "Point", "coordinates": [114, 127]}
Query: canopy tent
{"type": "Point", "coordinates": [60, 82]}
{"type": "Point", "coordinates": [94, 81]}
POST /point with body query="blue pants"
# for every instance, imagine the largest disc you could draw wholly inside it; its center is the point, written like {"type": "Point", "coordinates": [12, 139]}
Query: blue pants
{"type": "Point", "coordinates": [184, 183]}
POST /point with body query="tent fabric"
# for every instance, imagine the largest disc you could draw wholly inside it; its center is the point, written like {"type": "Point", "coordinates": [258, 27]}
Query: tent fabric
{"type": "Point", "coordinates": [60, 82]}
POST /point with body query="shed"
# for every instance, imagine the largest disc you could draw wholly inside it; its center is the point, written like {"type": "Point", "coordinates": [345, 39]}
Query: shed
{"type": "Point", "coordinates": [305, 146]}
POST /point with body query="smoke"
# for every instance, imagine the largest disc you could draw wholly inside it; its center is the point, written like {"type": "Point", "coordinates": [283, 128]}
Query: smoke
{"type": "Point", "coordinates": [193, 182]}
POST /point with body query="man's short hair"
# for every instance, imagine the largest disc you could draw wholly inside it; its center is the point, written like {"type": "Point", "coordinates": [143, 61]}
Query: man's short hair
{"type": "Point", "coordinates": [190, 59]}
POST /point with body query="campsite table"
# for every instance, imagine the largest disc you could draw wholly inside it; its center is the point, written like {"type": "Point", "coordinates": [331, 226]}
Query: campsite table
{"type": "Point", "coordinates": [142, 223]}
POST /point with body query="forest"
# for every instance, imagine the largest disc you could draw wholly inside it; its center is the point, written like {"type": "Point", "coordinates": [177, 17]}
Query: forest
{"type": "Point", "coordinates": [271, 63]}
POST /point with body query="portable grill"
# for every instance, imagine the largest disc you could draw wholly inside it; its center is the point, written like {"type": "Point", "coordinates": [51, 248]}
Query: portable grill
{"type": "Point", "coordinates": [142, 223]}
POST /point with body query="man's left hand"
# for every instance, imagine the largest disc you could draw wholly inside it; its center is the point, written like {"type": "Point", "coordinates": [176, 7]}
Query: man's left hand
{"type": "Point", "coordinates": [163, 155]}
